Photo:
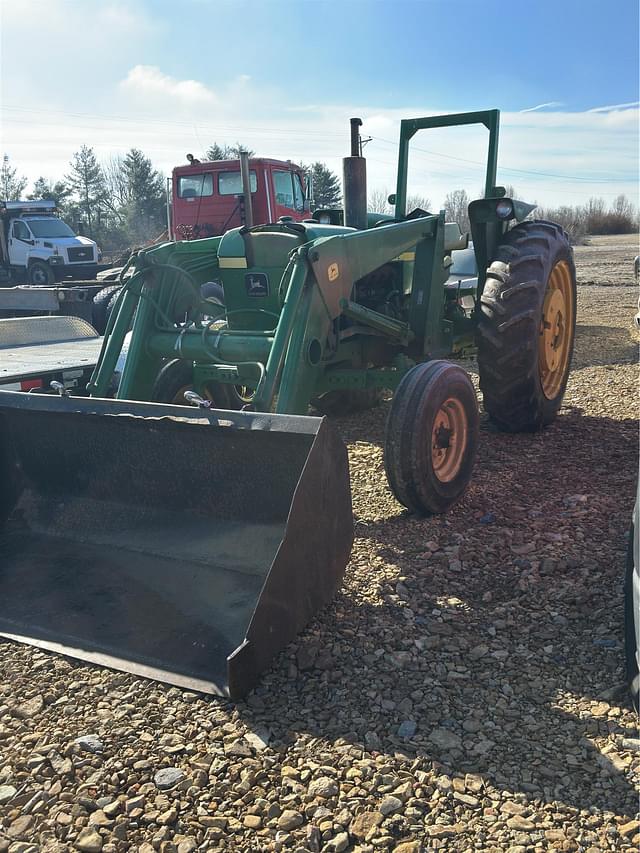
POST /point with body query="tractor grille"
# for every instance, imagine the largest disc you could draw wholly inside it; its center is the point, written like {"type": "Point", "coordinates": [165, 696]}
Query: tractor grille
{"type": "Point", "coordinates": [81, 253]}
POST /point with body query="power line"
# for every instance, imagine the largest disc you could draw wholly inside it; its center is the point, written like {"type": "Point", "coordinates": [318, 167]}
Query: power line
{"type": "Point", "coordinates": [511, 169]}
{"type": "Point", "coordinates": [144, 120]}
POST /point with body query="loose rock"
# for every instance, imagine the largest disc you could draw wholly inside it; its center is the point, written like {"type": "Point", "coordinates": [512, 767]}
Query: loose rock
{"type": "Point", "coordinates": [168, 777]}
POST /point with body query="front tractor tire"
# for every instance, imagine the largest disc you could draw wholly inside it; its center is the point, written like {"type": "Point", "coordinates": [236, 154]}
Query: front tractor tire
{"type": "Point", "coordinates": [431, 437]}
{"type": "Point", "coordinates": [526, 327]}
{"type": "Point", "coordinates": [40, 274]}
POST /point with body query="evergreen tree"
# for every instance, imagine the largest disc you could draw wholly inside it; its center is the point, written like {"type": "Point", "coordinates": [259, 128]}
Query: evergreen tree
{"type": "Point", "coordinates": [326, 186]}
{"type": "Point", "coordinates": [11, 186]}
{"type": "Point", "coordinates": [227, 152]}
{"type": "Point", "coordinates": [86, 179]}
{"type": "Point", "coordinates": [216, 152]}
{"type": "Point", "coordinates": [58, 192]}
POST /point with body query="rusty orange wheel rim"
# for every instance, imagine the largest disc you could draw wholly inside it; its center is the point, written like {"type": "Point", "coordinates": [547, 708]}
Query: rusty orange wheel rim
{"type": "Point", "coordinates": [556, 329]}
{"type": "Point", "coordinates": [449, 437]}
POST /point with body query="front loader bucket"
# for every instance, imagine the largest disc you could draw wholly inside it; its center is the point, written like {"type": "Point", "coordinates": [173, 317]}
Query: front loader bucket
{"type": "Point", "coordinates": [184, 545]}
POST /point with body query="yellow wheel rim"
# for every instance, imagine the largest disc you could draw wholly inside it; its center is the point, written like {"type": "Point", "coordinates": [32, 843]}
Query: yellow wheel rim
{"type": "Point", "coordinates": [449, 437]}
{"type": "Point", "coordinates": [245, 393]}
{"type": "Point", "coordinates": [556, 330]}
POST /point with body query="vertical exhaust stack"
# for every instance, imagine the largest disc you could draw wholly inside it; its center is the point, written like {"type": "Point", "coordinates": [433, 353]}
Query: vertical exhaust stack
{"type": "Point", "coordinates": [169, 188]}
{"type": "Point", "coordinates": [246, 189]}
{"type": "Point", "coordinates": [354, 179]}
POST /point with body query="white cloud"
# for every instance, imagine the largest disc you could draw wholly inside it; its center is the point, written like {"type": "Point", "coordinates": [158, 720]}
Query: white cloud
{"type": "Point", "coordinates": [613, 107]}
{"type": "Point", "coordinates": [150, 80]}
{"type": "Point", "coordinates": [576, 154]}
{"type": "Point", "coordinates": [546, 106]}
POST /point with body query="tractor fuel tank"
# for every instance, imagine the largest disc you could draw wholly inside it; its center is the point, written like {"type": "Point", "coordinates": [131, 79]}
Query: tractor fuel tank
{"type": "Point", "coordinates": [185, 545]}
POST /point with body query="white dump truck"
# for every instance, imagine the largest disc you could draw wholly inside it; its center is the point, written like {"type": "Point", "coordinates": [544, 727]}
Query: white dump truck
{"type": "Point", "coordinates": [39, 248]}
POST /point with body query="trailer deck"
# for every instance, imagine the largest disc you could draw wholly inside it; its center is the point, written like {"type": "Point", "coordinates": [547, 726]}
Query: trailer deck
{"type": "Point", "coordinates": [37, 350]}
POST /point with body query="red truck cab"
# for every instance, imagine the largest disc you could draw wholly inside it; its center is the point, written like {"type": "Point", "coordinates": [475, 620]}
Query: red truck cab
{"type": "Point", "coordinates": [206, 196]}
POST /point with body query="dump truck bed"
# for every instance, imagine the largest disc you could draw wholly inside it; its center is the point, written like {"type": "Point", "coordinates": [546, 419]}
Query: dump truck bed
{"type": "Point", "coordinates": [41, 349]}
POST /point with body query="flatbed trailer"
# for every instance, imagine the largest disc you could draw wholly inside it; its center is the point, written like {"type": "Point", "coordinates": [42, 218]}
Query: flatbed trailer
{"type": "Point", "coordinates": [72, 299]}
{"type": "Point", "coordinates": [36, 351]}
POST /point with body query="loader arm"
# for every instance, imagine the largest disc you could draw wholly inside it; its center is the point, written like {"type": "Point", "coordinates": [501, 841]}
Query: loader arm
{"type": "Point", "coordinates": [323, 276]}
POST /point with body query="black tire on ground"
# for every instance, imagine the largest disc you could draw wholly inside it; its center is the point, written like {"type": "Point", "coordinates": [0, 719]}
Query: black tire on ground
{"type": "Point", "coordinates": [431, 437]}
{"type": "Point", "coordinates": [346, 402]}
{"type": "Point", "coordinates": [40, 274]}
{"type": "Point", "coordinates": [102, 304]}
{"type": "Point", "coordinates": [176, 377]}
{"type": "Point", "coordinates": [111, 305]}
{"type": "Point", "coordinates": [630, 642]}
{"type": "Point", "coordinates": [526, 327]}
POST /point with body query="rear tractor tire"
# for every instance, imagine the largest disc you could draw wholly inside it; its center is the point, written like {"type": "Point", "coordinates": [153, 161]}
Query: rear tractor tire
{"type": "Point", "coordinates": [176, 377]}
{"type": "Point", "coordinates": [526, 327]}
{"type": "Point", "coordinates": [431, 437]}
{"type": "Point", "coordinates": [103, 303]}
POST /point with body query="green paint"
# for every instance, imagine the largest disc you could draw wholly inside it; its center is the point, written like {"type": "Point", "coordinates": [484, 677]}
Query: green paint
{"type": "Point", "coordinates": [309, 307]}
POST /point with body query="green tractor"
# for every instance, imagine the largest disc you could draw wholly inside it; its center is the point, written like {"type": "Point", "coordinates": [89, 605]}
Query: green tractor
{"type": "Point", "coordinates": [255, 328]}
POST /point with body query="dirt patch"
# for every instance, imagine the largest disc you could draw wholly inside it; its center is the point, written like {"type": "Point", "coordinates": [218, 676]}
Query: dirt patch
{"type": "Point", "coordinates": [607, 261]}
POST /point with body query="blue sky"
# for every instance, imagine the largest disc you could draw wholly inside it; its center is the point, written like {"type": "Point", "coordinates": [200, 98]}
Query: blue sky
{"type": "Point", "coordinates": [284, 76]}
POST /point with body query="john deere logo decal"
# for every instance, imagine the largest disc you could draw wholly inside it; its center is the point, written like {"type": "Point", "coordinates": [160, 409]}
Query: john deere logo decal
{"type": "Point", "coordinates": [257, 284]}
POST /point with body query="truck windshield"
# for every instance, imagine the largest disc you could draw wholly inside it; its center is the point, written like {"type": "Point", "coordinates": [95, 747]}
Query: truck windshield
{"type": "Point", "coordinates": [49, 227]}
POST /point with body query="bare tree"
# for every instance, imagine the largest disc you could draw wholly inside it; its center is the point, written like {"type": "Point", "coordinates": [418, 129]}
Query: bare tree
{"type": "Point", "coordinates": [12, 185]}
{"type": "Point", "coordinates": [378, 202]}
{"type": "Point", "coordinates": [456, 206]}
{"type": "Point", "coordinates": [116, 181]}
{"type": "Point", "coordinates": [418, 201]}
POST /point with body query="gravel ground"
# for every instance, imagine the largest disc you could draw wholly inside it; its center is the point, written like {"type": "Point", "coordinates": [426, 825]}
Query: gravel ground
{"type": "Point", "coordinates": [463, 692]}
{"type": "Point", "coordinates": [607, 261]}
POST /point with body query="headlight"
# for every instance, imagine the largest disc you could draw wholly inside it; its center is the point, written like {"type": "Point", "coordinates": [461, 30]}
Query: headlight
{"type": "Point", "coordinates": [504, 209]}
